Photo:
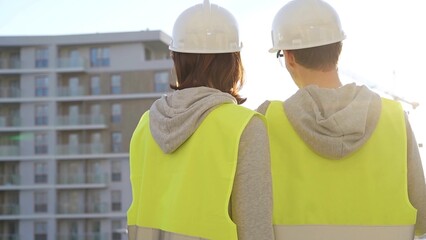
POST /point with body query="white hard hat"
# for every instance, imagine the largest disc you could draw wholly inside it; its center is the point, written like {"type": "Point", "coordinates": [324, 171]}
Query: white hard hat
{"type": "Point", "coordinates": [205, 28]}
{"type": "Point", "coordinates": [304, 24]}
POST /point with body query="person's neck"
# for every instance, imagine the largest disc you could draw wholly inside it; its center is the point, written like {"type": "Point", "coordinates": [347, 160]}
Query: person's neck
{"type": "Point", "coordinates": [322, 79]}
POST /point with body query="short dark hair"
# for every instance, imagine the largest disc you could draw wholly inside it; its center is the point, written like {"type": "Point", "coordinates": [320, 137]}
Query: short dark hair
{"type": "Point", "coordinates": [222, 71]}
{"type": "Point", "coordinates": [321, 58]}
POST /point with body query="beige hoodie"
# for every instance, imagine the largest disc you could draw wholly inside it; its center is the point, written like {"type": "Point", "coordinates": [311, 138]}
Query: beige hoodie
{"type": "Point", "coordinates": [337, 122]}
{"type": "Point", "coordinates": [174, 118]}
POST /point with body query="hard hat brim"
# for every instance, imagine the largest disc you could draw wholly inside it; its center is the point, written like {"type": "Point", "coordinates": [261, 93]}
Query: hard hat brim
{"type": "Point", "coordinates": [273, 50]}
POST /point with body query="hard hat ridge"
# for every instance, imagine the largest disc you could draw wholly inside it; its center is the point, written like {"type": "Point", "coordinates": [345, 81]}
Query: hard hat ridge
{"type": "Point", "coordinates": [206, 4]}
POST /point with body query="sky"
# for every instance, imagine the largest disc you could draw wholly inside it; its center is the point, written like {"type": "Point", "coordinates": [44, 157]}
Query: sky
{"type": "Point", "coordinates": [384, 48]}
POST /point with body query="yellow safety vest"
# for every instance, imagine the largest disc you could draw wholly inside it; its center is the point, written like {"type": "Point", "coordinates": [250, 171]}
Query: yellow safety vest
{"type": "Point", "coordinates": [367, 188]}
{"type": "Point", "coordinates": [188, 191]}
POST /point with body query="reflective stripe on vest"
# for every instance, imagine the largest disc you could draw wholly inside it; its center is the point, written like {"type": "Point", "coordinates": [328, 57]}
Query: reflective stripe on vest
{"type": "Point", "coordinates": [367, 188]}
{"type": "Point", "coordinates": [188, 191]}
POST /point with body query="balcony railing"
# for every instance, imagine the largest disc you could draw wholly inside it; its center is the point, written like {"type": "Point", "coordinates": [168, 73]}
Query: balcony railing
{"type": "Point", "coordinates": [10, 92]}
{"type": "Point", "coordinates": [69, 120]}
{"type": "Point", "coordinates": [70, 149]}
{"type": "Point", "coordinates": [83, 179]}
{"type": "Point", "coordinates": [9, 150]}
{"type": "Point", "coordinates": [71, 63]}
{"type": "Point", "coordinates": [71, 92]}
{"type": "Point", "coordinates": [89, 208]}
{"type": "Point", "coordinates": [88, 236]}
{"type": "Point", "coordinates": [9, 209]}
{"type": "Point", "coordinates": [9, 237]}
{"type": "Point", "coordinates": [10, 121]}
{"type": "Point", "coordinates": [9, 179]}
{"type": "Point", "coordinates": [8, 63]}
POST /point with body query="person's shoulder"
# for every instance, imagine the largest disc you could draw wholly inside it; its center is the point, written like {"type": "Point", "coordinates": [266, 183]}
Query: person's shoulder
{"type": "Point", "coordinates": [265, 105]}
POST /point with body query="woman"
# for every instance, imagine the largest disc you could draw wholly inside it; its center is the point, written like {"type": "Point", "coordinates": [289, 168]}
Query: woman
{"type": "Point", "coordinates": [199, 162]}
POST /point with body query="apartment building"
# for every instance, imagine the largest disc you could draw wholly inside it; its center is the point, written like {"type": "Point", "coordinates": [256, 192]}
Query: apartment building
{"type": "Point", "coordinates": [68, 107]}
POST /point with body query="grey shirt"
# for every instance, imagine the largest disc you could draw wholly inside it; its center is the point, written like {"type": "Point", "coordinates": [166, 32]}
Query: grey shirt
{"type": "Point", "coordinates": [174, 118]}
{"type": "Point", "coordinates": [337, 122]}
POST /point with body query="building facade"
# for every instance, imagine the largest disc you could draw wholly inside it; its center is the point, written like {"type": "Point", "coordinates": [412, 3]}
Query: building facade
{"type": "Point", "coordinates": [68, 107]}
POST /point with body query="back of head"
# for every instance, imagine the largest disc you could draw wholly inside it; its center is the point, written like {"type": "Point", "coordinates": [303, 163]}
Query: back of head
{"type": "Point", "coordinates": [305, 24]}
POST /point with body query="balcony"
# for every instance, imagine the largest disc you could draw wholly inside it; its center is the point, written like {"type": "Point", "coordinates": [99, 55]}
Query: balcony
{"type": "Point", "coordinates": [10, 63]}
{"type": "Point", "coordinates": [17, 66]}
{"type": "Point", "coordinates": [88, 236]}
{"type": "Point", "coordinates": [71, 65]}
{"type": "Point", "coordinates": [72, 120]}
{"type": "Point", "coordinates": [77, 149]}
{"type": "Point", "coordinates": [9, 150]}
{"type": "Point", "coordinates": [83, 179]}
{"type": "Point", "coordinates": [10, 237]}
{"type": "Point", "coordinates": [10, 179]}
{"type": "Point", "coordinates": [71, 92]}
{"type": "Point", "coordinates": [10, 121]}
{"type": "Point", "coordinates": [9, 209]}
{"type": "Point", "coordinates": [10, 92]}
{"type": "Point", "coordinates": [89, 208]}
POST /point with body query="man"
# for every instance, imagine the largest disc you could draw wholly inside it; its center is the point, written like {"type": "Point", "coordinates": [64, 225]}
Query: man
{"type": "Point", "coordinates": [345, 162]}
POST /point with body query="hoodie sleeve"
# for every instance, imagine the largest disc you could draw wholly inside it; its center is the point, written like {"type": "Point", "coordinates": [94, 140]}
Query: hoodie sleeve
{"type": "Point", "coordinates": [251, 199]}
{"type": "Point", "coordinates": [263, 107]}
{"type": "Point", "coordinates": [416, 180]}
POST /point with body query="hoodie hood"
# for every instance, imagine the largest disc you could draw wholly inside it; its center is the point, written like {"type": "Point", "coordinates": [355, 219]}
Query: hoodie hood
{"type": "Point", "coordinates": [175, 116]}
{"type": "Point", "coordinates": [334, 122]}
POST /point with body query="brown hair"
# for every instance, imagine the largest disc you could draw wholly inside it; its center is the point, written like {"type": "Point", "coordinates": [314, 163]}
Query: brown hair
{"type": "Point", "coordinates": [322, 58]}
{"type": "Point", "coordinates": [223, 71]}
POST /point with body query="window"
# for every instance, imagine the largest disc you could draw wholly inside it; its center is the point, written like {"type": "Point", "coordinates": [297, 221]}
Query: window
{"type": "Point", "coordinates": [41, 58]}
{"type": "Point", "coordinates": [161, 82]}
{"type": "Point", "coordinates": [116, 113]}
{"type": "Point", "coordinates": [116, 200]}
{"type": "Point", "coordinates": [116, 171]}
{"type": "Point", "coordinates": [95, 85]}
{"type": "Point", "coordinates": [41, 86]}
{"type": "Point", "coordinates": [74, 115]}
{"type": "Point", "coordinates": [40, 202]}
{"type": "Point", "coordinates": [99, 57]}
{"type": "Point", "coordinates": [94, 227]}
{"type": "Point", "coordinates": [14, 89]}
{"type": "Point", "coordinates": [148, 54]}
{"type": "Point", "coordinates": [74, 56]}
{"type": "Point", "coordinates": [70, 202]}
{"type": "Point", "coordinates": [15, 117]}
{"type": "Point", "coordinates": [116, 229]}
{"type": "Point", "coordinates": [41, 115]}
{"type": "Point", "coordinates": [116, 84]}
{"type": "Point", "coordinates": [73, 230]}
{"type": "Point", "coordinates": [73, 144]}
{"type": "Point", "coordinates": [96, 143]}
{"type": "Point", "coordinates": [95, 114]}
{"type": "Point", "coordinates": [40, 146]}
{"type": "Point", "coordinates": [116, 142]}
{"type": "Point", "coordinates": [93, 202]}
{"type": "Point", "coordinates": [12, 228]}
{"type": "Point", "coordinates": [40, 172]}
{"type": "Point", "coordinates": [74, 87]}
{"type": "Point", "coordinates": [14, 60]}
{"type": "Point", "coordinates": [9, 173]}
{"type": "Point", "coordinates": [40, 231]}
{"type": "Point", "coordinates": [3, 121]}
